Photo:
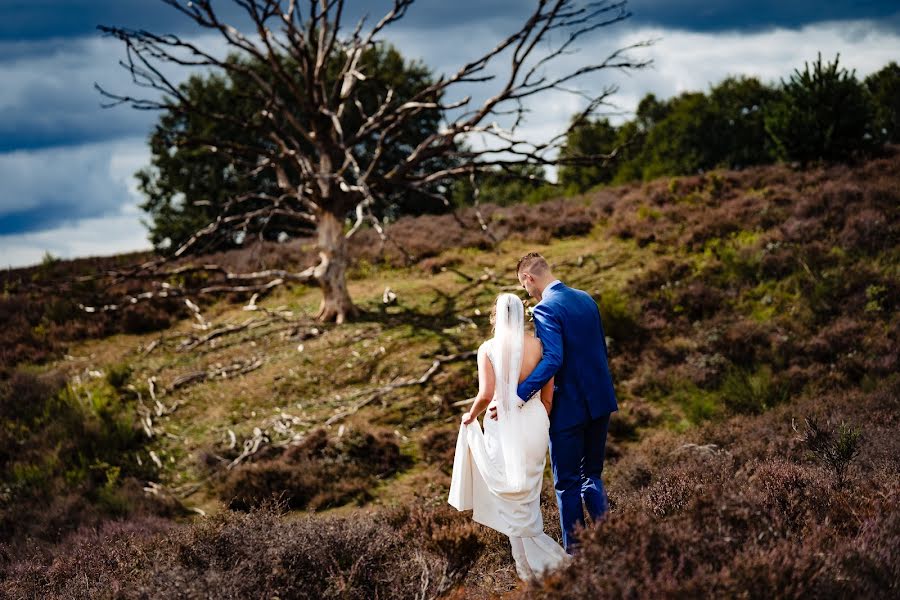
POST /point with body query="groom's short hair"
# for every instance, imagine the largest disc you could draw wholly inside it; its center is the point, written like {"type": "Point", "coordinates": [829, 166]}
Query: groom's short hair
{"type": "Point", "coordinates": [534, 263]}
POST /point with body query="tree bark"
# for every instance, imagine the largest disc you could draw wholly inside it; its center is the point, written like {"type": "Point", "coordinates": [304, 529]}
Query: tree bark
{"type": "Point", "coordinates": [331, 271]}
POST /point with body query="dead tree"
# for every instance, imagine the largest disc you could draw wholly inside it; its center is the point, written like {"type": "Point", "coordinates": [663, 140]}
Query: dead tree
{"type": "Point", "coordinates": [322, 172]}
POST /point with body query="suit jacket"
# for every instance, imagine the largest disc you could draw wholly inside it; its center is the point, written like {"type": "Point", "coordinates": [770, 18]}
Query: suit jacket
{"type": "Point", "coordinates": [567, 321]}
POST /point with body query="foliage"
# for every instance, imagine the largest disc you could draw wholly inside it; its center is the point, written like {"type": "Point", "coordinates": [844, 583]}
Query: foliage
{"type": "Point", "coordinates": [688, 133]}
{"type": "Point", "coordinates": [318, 473]}
{"type": "Point", "coordinates": [823, 113]}
{"type": "Point", "coordinates": [820, 113]}
{"type": "Point", "coordinates": [187, 186]}
{"type": "Point", "coordinates": [597, 137]}
{"type": "Point", "coordinates": [884, 87]}
{"type": "Point", "coordinates": [836, 449]}
{"type": "Point", "coordinates": [261, 553]}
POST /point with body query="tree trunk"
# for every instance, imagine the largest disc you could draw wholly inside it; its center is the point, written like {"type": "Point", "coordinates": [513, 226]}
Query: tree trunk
{"type": "Point", "coordinates": [331, 271]}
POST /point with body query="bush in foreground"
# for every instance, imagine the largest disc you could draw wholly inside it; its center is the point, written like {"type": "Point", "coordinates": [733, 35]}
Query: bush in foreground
{"type": "Point", "coordinates": [747, 511]}
{"type": "Point", "coordinates": [258, 554]}
{"type": "Point", "coordinates": [318, 473]}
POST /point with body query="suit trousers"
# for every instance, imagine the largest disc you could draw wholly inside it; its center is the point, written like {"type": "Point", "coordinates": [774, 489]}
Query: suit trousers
{"type": "Point", "coordinates": [577, 455]}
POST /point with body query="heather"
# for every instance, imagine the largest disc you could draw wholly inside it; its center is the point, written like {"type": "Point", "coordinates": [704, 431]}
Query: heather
{"type": "Point", "coordinates": [258, 554]}
{"type": "Point", "coordinates": [745, 508]}
{"type": "Point", "coordinates": [753, 334]}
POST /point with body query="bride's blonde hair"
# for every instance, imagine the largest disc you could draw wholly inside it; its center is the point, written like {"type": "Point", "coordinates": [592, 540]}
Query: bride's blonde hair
{"type": "Point", "coordinates": [494, 309]}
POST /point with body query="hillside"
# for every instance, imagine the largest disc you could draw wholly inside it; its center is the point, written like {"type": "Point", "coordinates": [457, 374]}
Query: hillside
{"type": "Point", "coordinates": [738, 305]}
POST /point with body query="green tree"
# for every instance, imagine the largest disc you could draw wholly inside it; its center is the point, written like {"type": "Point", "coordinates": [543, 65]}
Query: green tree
{"type": "Point", "coordinates": [631, 138]}
{"type": "Point", "coordinates": [822, 113]}
{"type": "Point", "coordinates": [697, 132]}
{"type": "Point", "coordinates": [592, 138]}
{"type": "Point", "coordinates": [884, 86]}
{"type": "Point", "coordinates": [739, 137]}
{"type": "Point", "coordinates": [188, 185]}
{"type": "Point", "coordinates": [677, 144]}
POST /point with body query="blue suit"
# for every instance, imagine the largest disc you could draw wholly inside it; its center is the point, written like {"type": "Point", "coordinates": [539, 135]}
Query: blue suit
{"type": "Point", "coordinates": [567, 321]}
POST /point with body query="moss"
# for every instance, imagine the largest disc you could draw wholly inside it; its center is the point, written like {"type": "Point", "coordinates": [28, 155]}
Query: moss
{"type": "Point", "coordinates": [645, 212]}
{"type": "Point", "coordinates": [699, 405]}
{"type": "Point", "coordinates": [745, 391]}
{"type": "Point", "coordinates": [769, 299]}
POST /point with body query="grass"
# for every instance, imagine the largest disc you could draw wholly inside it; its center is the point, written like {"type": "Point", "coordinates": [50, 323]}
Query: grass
{"type": "Point", "coordinates": [386, 344]}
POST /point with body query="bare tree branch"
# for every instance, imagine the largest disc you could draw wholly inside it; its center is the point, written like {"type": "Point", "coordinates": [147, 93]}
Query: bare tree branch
{"type": "Point", "coordinates": [329, 149]}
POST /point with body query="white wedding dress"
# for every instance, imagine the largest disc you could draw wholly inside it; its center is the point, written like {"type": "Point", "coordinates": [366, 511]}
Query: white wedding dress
{"type": "Point", "coordinates": [480, 483]}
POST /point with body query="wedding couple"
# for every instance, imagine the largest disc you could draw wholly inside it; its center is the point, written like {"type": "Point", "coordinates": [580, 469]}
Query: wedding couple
{"type": "Point", "coordinates": [555, 389]}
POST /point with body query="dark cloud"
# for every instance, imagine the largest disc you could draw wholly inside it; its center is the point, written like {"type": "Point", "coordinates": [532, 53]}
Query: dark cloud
{"type": "Point", "coordinates": [37, 219]}
{"type": "Point", "coordinates": [48, 96]}
{"type": "Point", "coordinates": [706, 16]}
{"type": "Point", "coordinates": [46, 19]}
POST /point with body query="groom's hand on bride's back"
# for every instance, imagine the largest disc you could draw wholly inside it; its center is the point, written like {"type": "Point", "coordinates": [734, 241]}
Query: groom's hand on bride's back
{"type": "Point", "coordinates": [492, 412]}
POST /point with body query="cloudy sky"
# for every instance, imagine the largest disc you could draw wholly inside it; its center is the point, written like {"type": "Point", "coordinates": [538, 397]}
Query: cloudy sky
{"type": "Point", "coordinates": [67, 165]}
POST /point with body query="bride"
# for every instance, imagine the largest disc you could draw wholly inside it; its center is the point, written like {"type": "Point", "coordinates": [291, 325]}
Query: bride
{"type": "Point", "coordinates": [498, 473]}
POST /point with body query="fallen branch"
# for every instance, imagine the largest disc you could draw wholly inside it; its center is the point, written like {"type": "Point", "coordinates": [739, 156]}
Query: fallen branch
{"type": "Point", "coordinates": [459, 403]}
{"type": "Point", "coordinates": [372, 394]}
{"type": "Point", "coordinates": [146, 415]}
{"type": "Point", "coordinates": [187, 379]}
{"type": "Point", "coordinates": [223, 372]}
{"type": "Point", "coordinates": [251, 447]}
{"type": "Point", "coordinates": [151, 347]}
{"type": "Point", "coordinates": [192, 342]}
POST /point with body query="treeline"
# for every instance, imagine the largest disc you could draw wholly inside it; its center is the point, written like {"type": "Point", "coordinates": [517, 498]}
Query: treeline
{"type": "Point", "coordinates": [823, 112]}
{"type": "Point", "coordinates": [820, 113]}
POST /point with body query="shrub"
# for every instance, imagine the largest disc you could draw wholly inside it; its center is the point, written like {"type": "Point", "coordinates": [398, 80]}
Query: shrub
{"type": "Point", "coordinates": [618, 316]}
{"type": "Point", "coordinates": [118, 375]}
{"type": "Point", "coordinates": [746, 516]}
{"type": "Point", "coordinates": [443, 531]}
{"type": "Point", "coordinates": [438, 448]}
{"type": "Point", "coordinates": [751, 392]}
{"type": "Point", "coordinates": [144, 318]}
{"type": "Point", "coordinates": [66, 461]}
{"type": "Point", "coordinates": [836, 449]}
{"type": "Point", "coordinates": [823, 112]}
{"type": "Point", "coordinates": [242, 555]}
{"type": "Point", "coordinates": [318, 473]}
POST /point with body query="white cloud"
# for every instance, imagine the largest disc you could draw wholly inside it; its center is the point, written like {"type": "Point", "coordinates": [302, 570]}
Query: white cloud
{"type": "Point", "coordinates": [88, 192]}
{"type": "Point", "coordinates": [72, 181]}
{"type": "Point", "coordinates": [685, 61]}
{"type": "Point", "coordinates": [88, 237]}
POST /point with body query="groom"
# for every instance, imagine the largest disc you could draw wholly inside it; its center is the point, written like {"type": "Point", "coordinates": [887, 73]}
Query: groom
{"type": "Point", "coordinates": [567, 321]}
